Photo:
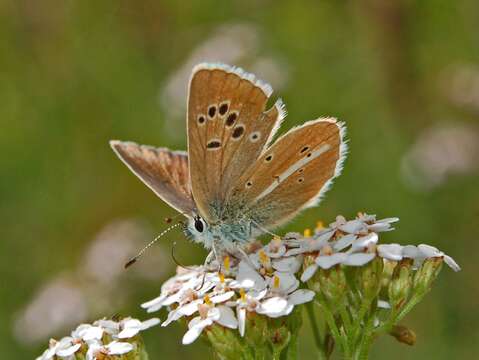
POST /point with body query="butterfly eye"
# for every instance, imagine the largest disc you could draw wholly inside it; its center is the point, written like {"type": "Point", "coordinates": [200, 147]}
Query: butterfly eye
{"type": "Point", "coordinates": [199, 226]}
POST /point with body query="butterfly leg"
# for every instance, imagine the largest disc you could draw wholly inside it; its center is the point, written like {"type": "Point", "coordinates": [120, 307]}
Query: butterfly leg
{"type": "Point", "coordinates": [215, 252]}
{"type": "Point", "coordinates": [205, 266]}
{"type": "Point", "coordinates": [246, 258]}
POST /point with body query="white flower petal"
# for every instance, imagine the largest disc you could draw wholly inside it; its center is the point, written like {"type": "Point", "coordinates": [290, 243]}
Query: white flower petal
{"type": "Point", "coordinates": [195, 331]}
{"type": "Point", "coordinates": [131, 327]}
{"type": "Point", "coordinates": [149, 323]}
{"type": "Point", "coordinates": [451, 263]}
{"type": "Point", "coordinates": [380, 227]}
{"type": "Point", "coordinates": [388, 220]}
{"type": "Point", "coordinates": [227, 317]}
{"type": "Point", "coordinates": [383, 304]}
{"type": "Point", "coordinates": [328, 261]}
{"type": "Point", "coordinates": [93, 349]}
{"type": "Point", "coordinates": [411, 252]}
{"type": "Point", "coordinates": [45, 355]}
{"type": "Point", "coordinates": [309, 272]}
{"type": "Point", "coordinates": [69, 350]}
{"type": "Point", "coordinates": [429, 251]}
{"type": "Point", "coordinates": [167, 302]}
{"type": "Point", "coordinates": [344, 242]}
{"type": "Point", "coordinates": [118, 348]}
{"type": "Point", "coordinates": [301, 296]}
{"type": "Point", "coordinates": [80, 330]}
{"type": "Point", "coordinates": [353, 227]}
{"type": "Point", "coordinates": [287, 282]}
{"type": "Point", "coordinates": [92, 333]}
{"type": "Point", "coordinates": [257, 295]}
{"type": "Point", "coordinates": [214, 314]}
{"type": "Point", "coordinates": [248, 277]}
{"type": "Point", "coordinates": [359, 259]}
{"type": "Point", "coordinates": [323, 236]}
{"type": "Point", "coordinates": [128, 333]}
{"type": "Point", "coordinates": [222, 297]}
{"type": "Point", "coordinates": [156, 302]}
{"type": "Point", "coordinates": [241, 313]}
{"type": "Point", "coordinates": [296, 251]}
{"type": "Point", "coordinates": [185, 310]}
{"type": "Point", "coordinates": [273, 307]}
{"type": "Point", "coordinates": [364, 241]}
{"type": "Point", "coordinates": [287, 264]}
{"type": "Point", "coordinates": [195, 321]}
{"type": "Point", "coordinates": [392, 252]}
{"type": "Point", "coordinates": [190, 308]}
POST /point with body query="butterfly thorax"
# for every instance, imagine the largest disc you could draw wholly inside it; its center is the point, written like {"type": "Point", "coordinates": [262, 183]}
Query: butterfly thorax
{"type": "Point", "coordinates": [228, 229]}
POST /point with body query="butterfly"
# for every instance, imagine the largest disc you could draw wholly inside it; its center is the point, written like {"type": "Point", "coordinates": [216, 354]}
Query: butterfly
{"type": "Point", "coordinates": [235, 183]}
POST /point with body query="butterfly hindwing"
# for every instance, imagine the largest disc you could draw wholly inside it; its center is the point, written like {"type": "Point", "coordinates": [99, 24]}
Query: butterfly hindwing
{"type": "Point", "coordinates": [162, 170]}
{"type": "Point", "coordinates": [293, 173]}
{"type": "Point", "coordinates": [228, 129]}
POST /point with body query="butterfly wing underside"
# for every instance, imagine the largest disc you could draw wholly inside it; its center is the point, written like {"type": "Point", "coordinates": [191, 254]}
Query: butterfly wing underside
{"type": "Point", "coordinates": [293, 173]}
{"type": "Point", "coordinates": [162, 170]}
{"type": "Point", "coordinates": [228, 129]}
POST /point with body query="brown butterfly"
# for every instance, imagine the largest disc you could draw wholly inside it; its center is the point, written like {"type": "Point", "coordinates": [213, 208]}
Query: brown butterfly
{"type": "Point", "coordinates": [235, 183]}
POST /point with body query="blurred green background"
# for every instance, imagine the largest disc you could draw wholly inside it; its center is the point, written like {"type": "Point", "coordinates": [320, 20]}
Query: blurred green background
{"type": "Point", "coordinates": [403, 74]}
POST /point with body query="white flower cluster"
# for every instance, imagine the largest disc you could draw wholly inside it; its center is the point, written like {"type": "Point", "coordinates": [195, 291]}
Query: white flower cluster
{"type": "Point", "coordinates": [94, 341]}
{"type": "Point", "coordinates": [355, 243]}
{"type": "Point", "coordinates": [266, 281]}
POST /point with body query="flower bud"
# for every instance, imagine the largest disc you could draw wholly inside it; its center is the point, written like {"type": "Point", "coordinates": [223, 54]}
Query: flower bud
{"type": "Point", "coordinates": [403, 334]}
{"type": "Point", "coordinates": [426, 274]}
{"type": "Point", "coordinates": [388, 270]}
{"type": "Point", "coordinates": [332, 285]}
{"type": "Point", "coordinates": [401, 283]}
{"type": "Point", "coordinates": [369, 279]}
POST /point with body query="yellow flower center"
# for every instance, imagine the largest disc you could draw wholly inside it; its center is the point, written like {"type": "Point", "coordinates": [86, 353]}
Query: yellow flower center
{"type": "Point", "coordinates": [319, 225]}
{"type": "Point", "coordinates": [263, 258]}
{"type": "Point", "coordinates": [307, 233]}
{"type": "Point", "coordinates": [207, 300]}
{"type": "Point", "coordinates": [276, 282]}
{"type": "Point", "coordinates": [242, 295]}
{"type": "Point", "coordinates": [222, 278]}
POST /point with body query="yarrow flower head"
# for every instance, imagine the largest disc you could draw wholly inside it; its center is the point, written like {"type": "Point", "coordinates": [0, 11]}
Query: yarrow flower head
{"type": "Point", "coordinates": [103, 337]}
{"type": "Point", "coordinates": [342, 269]}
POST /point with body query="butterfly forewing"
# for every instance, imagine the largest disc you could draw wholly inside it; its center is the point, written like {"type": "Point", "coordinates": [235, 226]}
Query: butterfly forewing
{"type": "Point", "coordinates": [162, 170]}
{"type": "Point", "coordinates": [228, 128]}
{"type": "Point", "coordinates": [293, 173]}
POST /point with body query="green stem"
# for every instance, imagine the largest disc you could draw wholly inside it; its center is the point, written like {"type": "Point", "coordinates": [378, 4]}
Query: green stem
{"type": "Point", "coordinates": [317, 336]}
{"type": "Point", "coordinates": [395, 317]}
{"type": "Point", "coordinates": [338, 337]}
{"type": "Point", "coordinates": [363, 310]}
{"type": "Point", "coordinates": [366, 341]}
{"type": "Point", "coordinates": [345, 317]}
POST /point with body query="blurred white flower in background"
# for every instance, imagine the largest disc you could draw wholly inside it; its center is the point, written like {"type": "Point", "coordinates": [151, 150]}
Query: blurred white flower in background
{"type": "Point", "coordinates": [57, 305]}
{"type": "Point", "coordinates": [238, 44]}
{"type": "Point", "coordinates": [96, 286]}
{"type": "Point", "coordinates": [460, 84]}
{"type": "Point", "coordinates": [439, 152]}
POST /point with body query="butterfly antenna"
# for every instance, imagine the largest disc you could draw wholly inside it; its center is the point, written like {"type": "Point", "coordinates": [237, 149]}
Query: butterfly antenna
{"type": "Point", "coordinates": [134, 259]}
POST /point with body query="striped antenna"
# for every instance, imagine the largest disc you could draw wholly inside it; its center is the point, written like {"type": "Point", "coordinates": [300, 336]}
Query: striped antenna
{"type": "Point", "coordinates": [134, 259]}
